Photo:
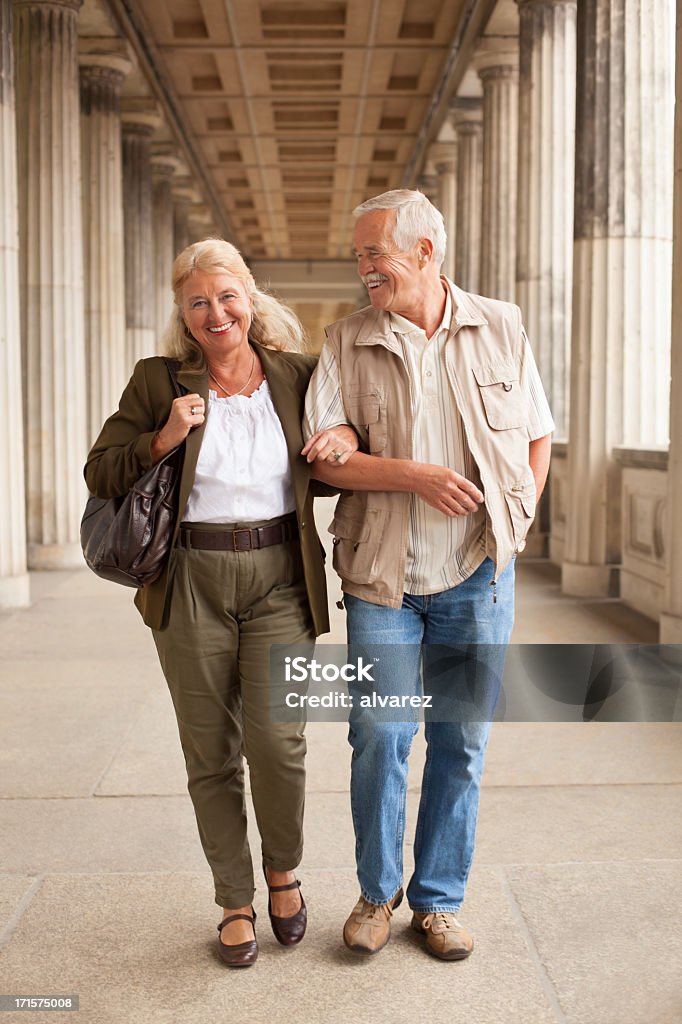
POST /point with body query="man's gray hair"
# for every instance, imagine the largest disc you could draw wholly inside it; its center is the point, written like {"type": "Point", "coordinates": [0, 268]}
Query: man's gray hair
{"type": "Point", "coordinates": [415, 218]}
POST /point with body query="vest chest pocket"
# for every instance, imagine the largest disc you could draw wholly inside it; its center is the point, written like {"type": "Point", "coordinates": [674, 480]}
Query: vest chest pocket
{"type": "Point", "coordinates": [501, 395]}
{"type": "Point", "coordinates": [356, 545]}
{"type": "Point", "coordinates": [367, 413]}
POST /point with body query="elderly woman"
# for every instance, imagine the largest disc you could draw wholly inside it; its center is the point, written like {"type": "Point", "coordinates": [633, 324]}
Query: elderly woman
{"type": "Point", "coordinates": [246, 569]}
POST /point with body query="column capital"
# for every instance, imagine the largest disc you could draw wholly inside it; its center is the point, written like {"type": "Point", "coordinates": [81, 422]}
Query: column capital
{"type": "Point", "coordinates": [466, 111]}
{"type": "Point", "coordinates": [139, 116]}
{"type": "Point", "coordinates": [104, 58]}
{"type": "Point", "coordinates": [165, 161]}
{"type": "Point", "coordinates": [200, 213]}
{"type": "Point", "coordinates": [443, 156]}
{"type": "Point", "coordinates": [184, 189]}
{"type": "Point", "coordinates": [70, 5]}
{"type": "Point", "coordinates": [428, 184]}
{"type": "Point", "coordinates": [497, 57]}
{"type": "Point", "coordinates": [546, 3]}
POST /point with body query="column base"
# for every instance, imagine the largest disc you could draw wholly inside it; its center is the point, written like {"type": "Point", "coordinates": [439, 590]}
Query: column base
{"type": "Point", "coordinates": [55, 556]}
{"type": "Point", "coordinates": [671, 629]}
{"type": "Point", "coordinates": [578, 580]}
{"type": "Point", "coordinates": [15, 591]}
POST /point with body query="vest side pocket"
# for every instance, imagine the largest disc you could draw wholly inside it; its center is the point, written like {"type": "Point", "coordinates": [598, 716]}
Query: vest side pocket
{"type": "Point", "coordinates": [521, 505]}
{"type": "Point", "coordinates": [356, 544]}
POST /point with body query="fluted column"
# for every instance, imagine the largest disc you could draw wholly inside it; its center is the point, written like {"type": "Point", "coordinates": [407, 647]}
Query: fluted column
{"type": "Point", "coordinates": [468, 121]}
{"type": "Point", "coordinates": [164, 166]}
{"type": "Point", "coordinates": [497, 65]}
{"type": "Point", "coordinates": [107, 369]}
{"type": "Point", "coordinates": [138, 126]}
{"type": "Point", "coordinates": [671, 619]}
{"type": "Point", "coordinates": [620, 355]}
{"type": "Point", "coordinates": [183, 196]}
{"type": "Point", "coordinates": [14, 585]}
{"type": "Point", "coordinates": [51, 277]}
{"type": "Point", "coordinates": [444, 158]}
{"type": "Point", "coordinates": [544, 249]}
{"type": "Point", "coordinates": [428, 184]}
{"type": "Point", "coordinates": [199, 222]}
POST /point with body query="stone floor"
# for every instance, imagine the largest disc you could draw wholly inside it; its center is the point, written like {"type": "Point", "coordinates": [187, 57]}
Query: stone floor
{"type": "Point", "coordinates": [574, 897]}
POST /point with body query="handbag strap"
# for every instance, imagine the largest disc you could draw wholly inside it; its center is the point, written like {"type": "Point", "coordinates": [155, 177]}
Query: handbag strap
{"type": "Point", "coordinates": [173, 365]}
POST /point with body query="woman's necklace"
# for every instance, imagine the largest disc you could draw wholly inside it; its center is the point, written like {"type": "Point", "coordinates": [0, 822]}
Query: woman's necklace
{"type": "Point", "coordinates": [232, 394]}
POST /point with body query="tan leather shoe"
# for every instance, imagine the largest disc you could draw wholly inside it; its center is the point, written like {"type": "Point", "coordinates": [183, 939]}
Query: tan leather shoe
{"type": "Point", "coordinates": [368, 928]}
{"type": "Point", "coordinates": [446, 938]}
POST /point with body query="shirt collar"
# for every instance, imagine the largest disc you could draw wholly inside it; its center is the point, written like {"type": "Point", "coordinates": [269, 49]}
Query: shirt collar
{"type": "Point", "coordinates": [401, 325]}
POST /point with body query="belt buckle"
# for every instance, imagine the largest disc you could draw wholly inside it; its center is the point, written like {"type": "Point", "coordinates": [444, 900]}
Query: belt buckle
{"type": "Point", "coordinates": [237, 545]}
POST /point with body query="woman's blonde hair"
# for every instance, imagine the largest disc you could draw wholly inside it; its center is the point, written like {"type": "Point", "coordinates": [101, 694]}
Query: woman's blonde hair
{"type": "Point", "coordinates": [274, 324]}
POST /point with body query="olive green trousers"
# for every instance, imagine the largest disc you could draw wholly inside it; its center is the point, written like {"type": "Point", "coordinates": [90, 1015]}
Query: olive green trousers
{"type": "Point", "coordinates": [226, 609]}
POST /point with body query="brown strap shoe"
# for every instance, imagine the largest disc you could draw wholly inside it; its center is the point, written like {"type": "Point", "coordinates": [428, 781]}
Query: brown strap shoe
{"type": "Point", "coordinates": [287, 930]}
{"type": "Point", "coordinates": [242, 954]}
{"type": "Point", "coordinates": [368, 928]}
{"type": "Point", "coordinates": [446, 938]}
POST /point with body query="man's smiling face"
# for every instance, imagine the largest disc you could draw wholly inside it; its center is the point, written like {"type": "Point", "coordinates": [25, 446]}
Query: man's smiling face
{"type": "Point", "coordinates": [392, 277]}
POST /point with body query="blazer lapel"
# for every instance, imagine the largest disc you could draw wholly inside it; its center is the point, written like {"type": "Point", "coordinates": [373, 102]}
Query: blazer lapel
{"type": "Point", "coordinates": [195, 385]}
{"type": "Point", "coordinates": [281, 378]}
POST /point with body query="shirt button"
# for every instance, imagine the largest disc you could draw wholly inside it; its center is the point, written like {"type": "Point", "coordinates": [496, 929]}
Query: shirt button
{"type": "Point", "coordinates": [303, 526]}
{"type": "Point", "coordinates": [428, 373]}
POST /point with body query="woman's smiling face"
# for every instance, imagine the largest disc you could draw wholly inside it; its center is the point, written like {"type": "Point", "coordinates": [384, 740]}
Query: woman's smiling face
{"type": "Point", "coordinates": [217, 311]}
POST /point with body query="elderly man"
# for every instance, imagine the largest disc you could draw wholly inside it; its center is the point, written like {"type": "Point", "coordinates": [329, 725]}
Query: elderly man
{"type": "Point", "coordinates": [442, 389]}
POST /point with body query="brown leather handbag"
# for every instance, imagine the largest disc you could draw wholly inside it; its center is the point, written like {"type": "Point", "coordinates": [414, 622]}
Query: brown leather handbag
{"type": "Point", "coordinates": [127, 540]}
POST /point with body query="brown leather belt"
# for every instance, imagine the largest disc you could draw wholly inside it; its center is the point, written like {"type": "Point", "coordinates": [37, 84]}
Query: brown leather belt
{"type": "Point", "coordinates": [240, 539]}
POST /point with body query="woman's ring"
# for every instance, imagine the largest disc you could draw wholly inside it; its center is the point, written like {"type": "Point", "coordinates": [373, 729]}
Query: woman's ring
{"type": "Point", "coordinates": [337, 456]}
{"type": "Point", "coordinates": [193, 410]}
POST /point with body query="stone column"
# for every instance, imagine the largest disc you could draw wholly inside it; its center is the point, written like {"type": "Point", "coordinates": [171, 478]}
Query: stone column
{"type": "Point", "coordinates": [101, 77]}
{"type": "Point", "coordinates": [671, 618]}
{"type": "Point", "coordinates": [139, 121]}
{"type": "Point", "coordinates": [51, 278]}
{"type": "Point", "coordinates": [164, 166]}
{"type": "Point", "coordinates": [544, 247]}
{"type": "Point", "coordinates": [183, 196]}
{"type": "Point", "coordinates": [620, 354]}
{"type": "Point", "coordinates": [14, 585]}
{"type": "Point", "coordinates": [199, 222]}
{"type": "Point", "coordinates": [444, 158]}
{"type": "Point", "coordinates": [428, 184]}
{"type": "Point", "coordinates": [468, 120]}
{"type": "Point", "coordinates": [497, 64]}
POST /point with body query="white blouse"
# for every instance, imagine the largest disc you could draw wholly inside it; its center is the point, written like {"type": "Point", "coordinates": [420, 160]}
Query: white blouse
{"type": "Point", "coordinates": [243, 472]}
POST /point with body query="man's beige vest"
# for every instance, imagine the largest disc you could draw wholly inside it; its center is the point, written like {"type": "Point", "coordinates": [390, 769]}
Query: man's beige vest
{"type": "Point", "coordinates": [483, 356]}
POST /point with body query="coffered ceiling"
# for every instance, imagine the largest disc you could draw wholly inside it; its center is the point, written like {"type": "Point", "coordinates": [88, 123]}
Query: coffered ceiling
{"type": "Point", "coordinates": [288, 113]}
{"type": "Point", "coordinates": [299, 110]}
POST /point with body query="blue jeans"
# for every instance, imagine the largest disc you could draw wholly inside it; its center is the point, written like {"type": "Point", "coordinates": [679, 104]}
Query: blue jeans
{"type": "Point", "coordinates": [424, 627]}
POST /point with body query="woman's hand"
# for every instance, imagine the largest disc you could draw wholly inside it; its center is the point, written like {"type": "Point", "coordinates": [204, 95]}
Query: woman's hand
{"type": "Point", "coordinates": [334, 445]}
{"type": "Point", "coordinates": [186, 412]}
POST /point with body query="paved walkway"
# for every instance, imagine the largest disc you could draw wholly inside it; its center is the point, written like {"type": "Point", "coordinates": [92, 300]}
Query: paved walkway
{"type": "Point", "coordinates": [574, 898]}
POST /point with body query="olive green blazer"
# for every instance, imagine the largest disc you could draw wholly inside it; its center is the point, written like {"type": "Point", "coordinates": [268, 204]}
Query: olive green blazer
{"type": "Point", "coordinates": [122, 453]}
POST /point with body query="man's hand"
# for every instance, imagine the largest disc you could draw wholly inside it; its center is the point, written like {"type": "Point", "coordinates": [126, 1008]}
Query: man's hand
{"type": "Point", "coordinates": [334, 445]}
{"type": "Point", "coordinates": [445, 490]}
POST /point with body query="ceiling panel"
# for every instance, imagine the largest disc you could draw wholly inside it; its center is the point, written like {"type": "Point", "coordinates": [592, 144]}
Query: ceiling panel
{"type": "Point", "coordinates": [302, 108]}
